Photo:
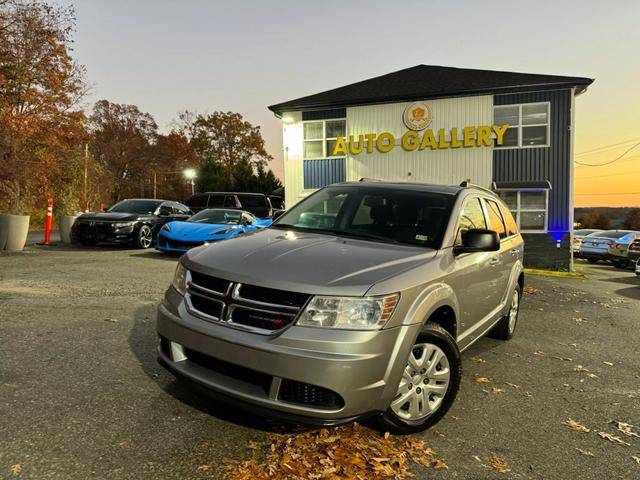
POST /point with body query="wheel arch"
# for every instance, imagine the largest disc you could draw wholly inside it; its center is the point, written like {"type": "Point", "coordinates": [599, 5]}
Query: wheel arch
{"type": "Point", "coordinates": [437, 304]}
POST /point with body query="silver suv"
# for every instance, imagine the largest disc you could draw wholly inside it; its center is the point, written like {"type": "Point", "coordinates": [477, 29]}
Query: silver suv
{"type": "Point", "coordinates": [356, 302]}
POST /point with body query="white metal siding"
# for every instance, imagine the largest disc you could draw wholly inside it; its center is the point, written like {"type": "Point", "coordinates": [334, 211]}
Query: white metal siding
{"type": "Point", "coordinates": [293, 175]}
{"type": "Point", "coordinates": [447, 166]}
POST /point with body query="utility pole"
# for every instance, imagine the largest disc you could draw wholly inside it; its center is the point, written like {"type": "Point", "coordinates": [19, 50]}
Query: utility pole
{"type": "Point", "coordinates": [86, 173]}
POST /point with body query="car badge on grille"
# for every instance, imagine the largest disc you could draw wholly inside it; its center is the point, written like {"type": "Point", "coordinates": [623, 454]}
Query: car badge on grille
{"type": "Point", "coordinates": [92, 223]}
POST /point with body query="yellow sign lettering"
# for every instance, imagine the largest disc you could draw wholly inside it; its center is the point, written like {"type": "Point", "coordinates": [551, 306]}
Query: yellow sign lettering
{"type": "Point", "coordinates": [410, 140]}
{"type": "Point", "coordinates": [500, 131]}
{"type": "Point", "coordinates": [442, 139]}
{"type": "Point", "coordinates": [390, 142]}
{"type": "Point", "coordinates": [340, 148]}
{"type": "Point", "coordinates": [484, 136]}
{"type": "Point", "coordinates": [428, 140]}
{"type": "Point", "coordinates": [353, 149]}
{"type": "Point", "coordinates": [371, 138]}
{"type": "Point", "coordinates": [455, 142]}
{"type": "Point", "coordinates": [469, 136]}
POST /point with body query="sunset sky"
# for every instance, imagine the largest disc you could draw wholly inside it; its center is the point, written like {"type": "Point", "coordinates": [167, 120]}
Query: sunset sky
{"type": "Point", "coordinates": [165, 56]}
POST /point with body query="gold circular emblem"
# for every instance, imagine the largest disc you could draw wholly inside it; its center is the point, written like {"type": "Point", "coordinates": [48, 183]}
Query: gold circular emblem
{"type": "Point", "coordinates": [417, 116]}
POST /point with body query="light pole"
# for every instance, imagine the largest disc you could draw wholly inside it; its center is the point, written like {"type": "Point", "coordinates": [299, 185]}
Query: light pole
{"type": "Point", "coordinates": [190, 174]}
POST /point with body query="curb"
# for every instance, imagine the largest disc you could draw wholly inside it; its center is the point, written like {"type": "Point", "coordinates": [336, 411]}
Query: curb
{"type": "Point", "coordinates": [552, 273]}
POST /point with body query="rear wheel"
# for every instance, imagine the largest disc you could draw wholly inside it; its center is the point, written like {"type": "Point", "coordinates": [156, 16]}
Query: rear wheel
{"type": "Point", "coordinates": [87, 243]}
{"type": "Point", "coordinates": [620, 264]}
{"type": "Point", "coordinates": [592, 260]}
{"type": "Point", "coordinates": [145, 237]}
{"type": "Point", "coordinates": [429, 384]}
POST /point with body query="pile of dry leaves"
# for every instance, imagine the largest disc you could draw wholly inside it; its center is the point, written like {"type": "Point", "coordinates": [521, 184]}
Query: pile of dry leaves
{"type": "Point", "coordinates": [349, 452]}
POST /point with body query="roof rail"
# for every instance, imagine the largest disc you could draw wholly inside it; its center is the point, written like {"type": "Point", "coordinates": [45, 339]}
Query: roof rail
{"type": "Point", "coordinates": [365, 179]}
{"type": "Point", "coordinates": [468, 184]}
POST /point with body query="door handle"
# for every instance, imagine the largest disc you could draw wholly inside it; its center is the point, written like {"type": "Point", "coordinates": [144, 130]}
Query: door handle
{"type": "Point", "coordinates": [494, 261]}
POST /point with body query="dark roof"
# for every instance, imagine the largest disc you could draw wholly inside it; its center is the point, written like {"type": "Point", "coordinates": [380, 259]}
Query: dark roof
{"type": "Point", "coordinates": [430, 81]}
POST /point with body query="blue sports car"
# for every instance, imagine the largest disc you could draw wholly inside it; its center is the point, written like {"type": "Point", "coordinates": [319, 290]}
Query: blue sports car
{"type": "Point", "coordinates": [207, 226]}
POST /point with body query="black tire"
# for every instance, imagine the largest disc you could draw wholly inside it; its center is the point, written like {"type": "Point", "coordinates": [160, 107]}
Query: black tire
{"type": "Point", "coordinates": [87, 243]}
{"type": "Point", "coordinates": [592, 260]}
{"type": "Point", "coordinates": [144, 237]}
{"type": "Point", "coordinates": [503, 329]}
{"type": "Point", "coordinates": [438, 336]}
{"type": "Point", "coordinates": [620, 264]}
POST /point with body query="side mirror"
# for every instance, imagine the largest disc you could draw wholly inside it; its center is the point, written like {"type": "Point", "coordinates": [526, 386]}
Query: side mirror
{"type": "Point", "coordinates": [245, 222]}
{"type": "Point", "coordinates": [277, 214]}
{"type": "Point", "coordinates": [478, 240]}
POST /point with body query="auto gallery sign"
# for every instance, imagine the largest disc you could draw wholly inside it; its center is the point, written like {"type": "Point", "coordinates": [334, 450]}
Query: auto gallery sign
{"type": "Point", "coordinates": [417, 117]}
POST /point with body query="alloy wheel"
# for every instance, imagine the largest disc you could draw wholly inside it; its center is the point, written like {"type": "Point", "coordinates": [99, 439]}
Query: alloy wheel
{"type": "Point", "coordinates": [145, 237]}
{"type": "Point", "coordinates": [424, 383]}
{"type": "Point", "coordinates": [513, 311]}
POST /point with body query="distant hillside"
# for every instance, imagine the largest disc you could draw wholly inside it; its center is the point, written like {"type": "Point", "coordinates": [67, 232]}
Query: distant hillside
{"type": "Point", "coordinates": [616, 214]}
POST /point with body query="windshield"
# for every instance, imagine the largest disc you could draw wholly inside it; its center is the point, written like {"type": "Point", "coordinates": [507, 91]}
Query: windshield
{"type": "Point", "coordinates": [610, 234]}
{"type": "Point", "coordinates": [136, 206]}
{"type": "Point", "coordinates": [370, 213]}
{"type": "Point", "coordinates": [220, 216]}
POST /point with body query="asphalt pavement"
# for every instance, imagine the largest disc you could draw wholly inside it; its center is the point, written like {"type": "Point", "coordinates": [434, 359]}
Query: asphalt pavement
{"type": "Point", "coordinates": [82, 397]}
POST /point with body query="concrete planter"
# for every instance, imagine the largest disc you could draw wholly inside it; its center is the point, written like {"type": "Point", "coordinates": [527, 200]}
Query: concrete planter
{"type": "Point", "coordinates": [4, 229]}
{"type": "Point", "coordinates": [64, 224]}
{"type": "Point", "coordinates": [18, 229]}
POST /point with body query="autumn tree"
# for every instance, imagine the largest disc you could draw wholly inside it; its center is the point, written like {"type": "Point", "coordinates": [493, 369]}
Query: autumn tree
{"type": "Point", "coordinates": [41, 86]}
{"type": "Point", "coordinates": [595, 220]}
{"type": "Point", "coordinates": [121, 142]}
{"type": "Point", "coordinates": [171, 155]}
{"type": "Point", "coordinates": [632, 219]}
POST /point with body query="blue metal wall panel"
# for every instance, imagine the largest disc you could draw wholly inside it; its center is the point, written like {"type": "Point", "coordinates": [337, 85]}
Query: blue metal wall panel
{"type": "Point", "coordinates": [320, 173]}
{"type": "Point", "coordinates": [324, 114]}
{"type": "Point", "coordinates": [551, 163]}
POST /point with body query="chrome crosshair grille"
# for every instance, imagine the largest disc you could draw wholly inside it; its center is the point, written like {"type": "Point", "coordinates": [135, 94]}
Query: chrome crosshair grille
{"type": "Point", "coordinates": [248, 307]}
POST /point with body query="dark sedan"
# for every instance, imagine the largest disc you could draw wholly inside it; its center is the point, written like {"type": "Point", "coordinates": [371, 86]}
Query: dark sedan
{"type": "Point", "coordinates": [133, 222]}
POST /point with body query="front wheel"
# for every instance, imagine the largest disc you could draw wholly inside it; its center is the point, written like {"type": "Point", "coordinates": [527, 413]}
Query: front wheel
{"type": "Point", "coordinates": [505, 328]}
{"type": "Point", "coordinates": [145, 237]}
{"type": "Point", "coordinates": [429, 384]}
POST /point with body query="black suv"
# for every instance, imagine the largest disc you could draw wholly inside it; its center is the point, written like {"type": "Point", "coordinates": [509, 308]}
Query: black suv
{"type": "Point", "coordinates": [133, 222]}
{"type": "Point", "coordinates": [255, 203]}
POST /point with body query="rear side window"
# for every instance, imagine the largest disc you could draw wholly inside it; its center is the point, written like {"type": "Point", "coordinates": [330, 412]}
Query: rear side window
{"type": "Point", "coordinates": [471, 216]}
{"type": "Point", "coordinates": [495, 218]}
{"type": "Point", "coordinates": [253, 200]}
{"type": "Point", "coordinates": [197, 201]}
{"type": "Point", "coordinates": [512, 227]}
{"type": "Point", "coordinates": [216, 201]}
{"type": "Point", "coordinates": [230, 202]}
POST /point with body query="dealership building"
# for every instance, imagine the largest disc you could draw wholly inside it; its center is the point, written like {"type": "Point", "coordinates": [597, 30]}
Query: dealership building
{"type": "Point", "coordinates": [510, 132]}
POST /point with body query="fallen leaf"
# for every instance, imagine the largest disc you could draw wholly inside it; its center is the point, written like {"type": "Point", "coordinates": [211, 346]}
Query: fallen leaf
{"type": "Point", "coordinates": [497, 391]}
{"type": "Point", "coordinates": [625, 428]}
{"type": "Point", "coordinates": [499, 464]}
{"type": "Point", "coordinates": [111, 320]}
{"type": "Point", "coordinates": [482, 380]}
{"type": "Point", "coordinates": [608, 363]}
{"type": "Point", "coordinates": [564, 359]}
{"type": "Point", "coordinates": [580, 320]}
{"type": "Point", "coordinates": [637, 459]}
{"type": "Point", "coordinates": [613, 439]}
{"type": "Point", "coordinates": [15, 469]}
{"type": "Point", "coordinates": [440, 464]}
{"type": "Point", "coordinates": [478, 360]}
{"type": "Point", "coordinates": [539, 353]}
{"type": "Point", "coordinates": [512, 385]}
{"type": "Point", "coordinates": [531, 290]}
{"type": "Point", "coordinates": [454, 418]}
{"type": "Point", "coordinates": [586, 453]}
{"type": "Point", "coordinates": [575, 426]}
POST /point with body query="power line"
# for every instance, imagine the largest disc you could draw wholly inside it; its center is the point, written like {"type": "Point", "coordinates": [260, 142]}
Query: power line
{"type": "Point", "coordinates": [609, 175]}
{"type": "Point", "coordinates": [608, 193]}
{"type": "Point", "coordinates": [610, 161]}
{"type": "Point", "coordinates": [605, 147]}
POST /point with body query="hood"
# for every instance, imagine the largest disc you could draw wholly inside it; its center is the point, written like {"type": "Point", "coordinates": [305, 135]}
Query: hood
{"type": "Point", "coordinates": [306, 262]}
{"type": "Point", "coordinates": [193, 230]}
{"type": "Point", "coordinates": [111, 216]}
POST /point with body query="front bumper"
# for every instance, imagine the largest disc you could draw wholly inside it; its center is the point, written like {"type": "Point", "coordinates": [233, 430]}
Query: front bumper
{"type": "Point", "coordinates": [103, 233]}
{"type": "Point", "coordinates": [362, 367]}
{"type": "Point", "coordinates": [168, 244]}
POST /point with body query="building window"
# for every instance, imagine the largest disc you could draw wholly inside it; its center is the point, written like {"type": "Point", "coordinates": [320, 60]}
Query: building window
{"type": "Point", "coordinates": [320, 137]}
{"type": "Point", "coordinates": [528, 124]}
{"type": "Point", "coordinates": [529, 207]}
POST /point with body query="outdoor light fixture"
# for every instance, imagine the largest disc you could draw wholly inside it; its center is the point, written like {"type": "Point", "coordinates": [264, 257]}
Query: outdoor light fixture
{"type": "Point", "coordinates": [287, 120]}
{"type": "Point", "coordinates": [190, 173]}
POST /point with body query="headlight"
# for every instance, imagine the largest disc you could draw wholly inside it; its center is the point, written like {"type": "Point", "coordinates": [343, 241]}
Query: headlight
{"type": "Point", "coordinates": [122, 224]}
{"type": "Point", "coordinates": [180, 279]}
{"type": "Point", "coordinates": [350, 313]}
{"type": "Point", "coordinates": [166, 227]}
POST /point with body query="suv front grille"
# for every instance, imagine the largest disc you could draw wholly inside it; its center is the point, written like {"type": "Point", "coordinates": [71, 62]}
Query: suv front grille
{"type": "Point", "coordinates": [302, 393]}
{"type": "Point", "coordinates": [250, 307]}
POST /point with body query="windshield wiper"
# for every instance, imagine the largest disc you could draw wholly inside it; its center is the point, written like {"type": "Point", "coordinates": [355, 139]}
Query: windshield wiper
{"type": "Point", "coordinates": [371, 236]}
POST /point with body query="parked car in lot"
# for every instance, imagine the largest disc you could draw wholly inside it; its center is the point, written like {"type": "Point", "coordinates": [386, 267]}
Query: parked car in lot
{"type": "Point", "coordinates": [133, 222]}
{"type": "Point", "coordinates": [633, 252]}
{"type": "Point", "coordinates": [356, 302]}
{"type": "Point", "coordinates": [618, 250]}
{"type": "Point", "coordinates": [578, 236]}
{"type": "Point", "coordinates": [207, 226]}
{"type": "Point", "coordinates": [595, 247]}
{"type": "Point", "coordinates": [255, 203]}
